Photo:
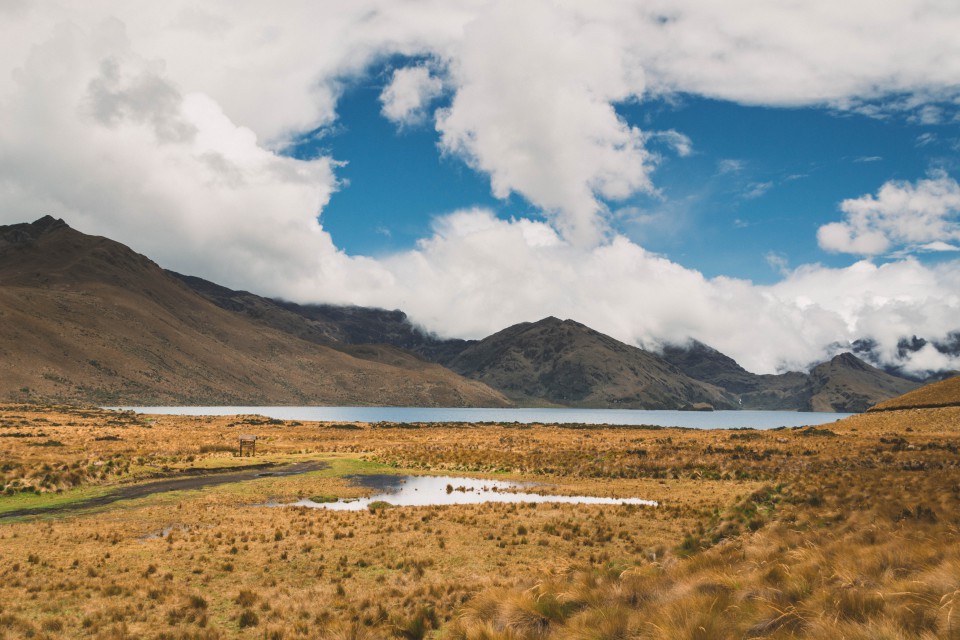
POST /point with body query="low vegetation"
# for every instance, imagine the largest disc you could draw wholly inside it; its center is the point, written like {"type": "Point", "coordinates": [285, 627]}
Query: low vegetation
{"type": "Point", "coordinates": [846, 530]}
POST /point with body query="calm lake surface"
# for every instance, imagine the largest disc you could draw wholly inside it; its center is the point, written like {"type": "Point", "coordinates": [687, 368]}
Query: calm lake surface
{"type": "Point", "coordinates": [694, 419]}
{"type": "Point", "coordinates": [406, 491]}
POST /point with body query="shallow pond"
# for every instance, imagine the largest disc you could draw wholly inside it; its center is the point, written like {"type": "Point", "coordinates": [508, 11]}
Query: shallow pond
{"type": "Point", "coordinates": [405, 491]}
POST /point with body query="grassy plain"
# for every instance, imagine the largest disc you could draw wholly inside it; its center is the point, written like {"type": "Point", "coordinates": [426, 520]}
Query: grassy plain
{"type": "Point", "coordinates": [849, 530]}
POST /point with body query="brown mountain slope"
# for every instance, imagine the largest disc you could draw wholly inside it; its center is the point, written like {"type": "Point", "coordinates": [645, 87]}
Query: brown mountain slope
{"type": "Point", "coordinates": [844, 384]}
{"type": "Point", "coordinates": [564, 362]}
{"type": "Point", "coordinates": [328, 324]}
{"type": "Point", "coordinates": [783, 392]}
{"type": "Point", "coordinates": [84, 318]}
{"type": "Point", "coordinates": [945, 393]}
{"type": "Point", "coordinates": [848, 384]}
{"type": "Point", "coordinates": [839, 387]}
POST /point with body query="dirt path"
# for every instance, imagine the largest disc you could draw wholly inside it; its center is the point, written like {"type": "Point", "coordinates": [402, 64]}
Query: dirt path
{"type": "Point", "coordinates": [209, 478]}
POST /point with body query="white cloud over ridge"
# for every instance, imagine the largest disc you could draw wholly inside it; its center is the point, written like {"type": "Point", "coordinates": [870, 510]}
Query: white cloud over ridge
{"type": "Point", "coordinates": [159, 124]}
{"type": "Point", "coordinates": [477, 274]}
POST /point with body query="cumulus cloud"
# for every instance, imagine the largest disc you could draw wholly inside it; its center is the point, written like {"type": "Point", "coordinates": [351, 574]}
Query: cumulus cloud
{"type": "Point", "coordinates": [408, 95]}
{"type": "Point", "coordinates": [536, 82]}
{"type": "Point", "coordinates": [159, 124]}
{"type": "Point", "coordinates": [847, 54]}
{"type": "Point", "coordinates": [681, 144]}
{"type": "Point", "coordinates": [477, 274]}
{"type": "Point", "coordinates": [924, 215]}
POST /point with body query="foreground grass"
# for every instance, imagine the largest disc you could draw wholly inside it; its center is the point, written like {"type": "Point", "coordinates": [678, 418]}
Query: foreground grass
{"type": "Point", "coordinates": [847, 531]}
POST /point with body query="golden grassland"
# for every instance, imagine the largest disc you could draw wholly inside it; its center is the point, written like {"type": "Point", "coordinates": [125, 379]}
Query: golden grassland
{"type": "Point", "coordinates": [843, 531]}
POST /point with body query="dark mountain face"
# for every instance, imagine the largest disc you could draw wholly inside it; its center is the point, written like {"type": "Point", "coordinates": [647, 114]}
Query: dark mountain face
{"type": "Point", "coordinates": [701, 362]}
{"type": "Point", "coordinates": [564, 362]}
{"type": "Point", "coordinates": [548, 362]}
{"type": "Point", "coordinates": [330, 325]}
{"type": "Point", "coordinates": [848, 384]}
{"type": "Point", "coordinates": [868, 349]}
{"type": "Point", "coordinates": [86, 319]}
{"type": "Point", "coordinates": [845, 384]}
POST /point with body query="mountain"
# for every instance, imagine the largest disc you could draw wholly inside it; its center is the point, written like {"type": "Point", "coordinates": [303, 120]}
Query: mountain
{"type": "Point", "coordinates": [848, 384]}
{"type": "Point", "coordinates": [86, 319]}
{"type": "Point", "coordinates": [564, 362]}
{"type": "Point", "coordinates": [328, 324]}
{"type": "Point", "coordinates": [844, 384]}
{"type": "Point", "coordinates": [869, 351]}
{"type": "Point", "coordinates": [783, 392]}
{"type": "Point", "coordinates": [945, 393]}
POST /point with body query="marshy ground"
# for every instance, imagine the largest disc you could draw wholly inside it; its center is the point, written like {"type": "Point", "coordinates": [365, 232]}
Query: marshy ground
{"type": "Point", "coordinates": [847, 530]}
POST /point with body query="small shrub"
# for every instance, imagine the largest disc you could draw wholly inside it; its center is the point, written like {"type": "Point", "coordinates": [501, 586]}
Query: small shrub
{"type": "Point", "coordinates": [248, 618]}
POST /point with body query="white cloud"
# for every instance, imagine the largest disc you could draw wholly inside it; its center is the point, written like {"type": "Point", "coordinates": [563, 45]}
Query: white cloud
{"type": "Point", "coordinates": [803, 53]}
{"type": "Point", "coordinates": [778, 262]}
{"type": "Point", "coordinates": [409, 93]}
{"type": "Point", "coordinates": [757, 189]}
{"type": "Point", "coordinates": [158, 124]}
{"type": "Point", "coordinates": [938, 246]}
{"type": "Point", "coordinates": [533, 109]}
{"type": "Point", "coordinates": [913, 216]}
{"type": "Point", "coordinates": [730, 165]}
{"type": "Point", "coordinates": [682, 145]}
{"type": "Point", "coordinates": [477, 274]}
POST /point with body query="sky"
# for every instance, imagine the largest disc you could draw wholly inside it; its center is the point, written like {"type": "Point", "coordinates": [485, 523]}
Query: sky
{"type": "Point", "coordinates": [775, 180]}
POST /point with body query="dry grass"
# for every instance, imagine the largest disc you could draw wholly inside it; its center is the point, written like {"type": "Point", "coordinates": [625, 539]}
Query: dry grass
{"type": "Point", "coordinates": [845, 531]}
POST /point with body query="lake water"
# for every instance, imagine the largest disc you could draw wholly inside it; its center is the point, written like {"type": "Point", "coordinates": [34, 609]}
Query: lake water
{"type": "Point", "coordinates": [406, 491]}
{"type": "Point", "coordinates": [694, 419]}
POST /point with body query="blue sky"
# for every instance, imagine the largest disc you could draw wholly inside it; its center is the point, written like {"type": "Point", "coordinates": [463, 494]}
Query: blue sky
{"type": "Point", "coordinates": [745, 202]}
{"type": "Point", "coordinates": [776, 180]}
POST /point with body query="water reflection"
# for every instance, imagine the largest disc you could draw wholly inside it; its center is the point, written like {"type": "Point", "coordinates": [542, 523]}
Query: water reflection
{"type": "Point", "coordinates": [403, 491]}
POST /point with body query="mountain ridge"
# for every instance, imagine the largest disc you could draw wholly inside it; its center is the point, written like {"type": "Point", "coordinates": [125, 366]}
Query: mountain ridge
{"type": "Point", "coordinates": [85, 302]}
{"type": "Point", "coordinates": [86, 319]}
{"type": "Point", "coordinates": [731, 386]}
{"type": "Point", "coordinates": [566, 362]}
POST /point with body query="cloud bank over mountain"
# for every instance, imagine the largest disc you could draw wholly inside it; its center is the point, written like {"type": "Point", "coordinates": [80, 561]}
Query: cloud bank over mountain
{"type": "Point", "coordinates": [163, 125]}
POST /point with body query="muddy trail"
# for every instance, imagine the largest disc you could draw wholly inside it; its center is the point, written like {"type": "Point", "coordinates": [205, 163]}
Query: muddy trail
{"type": "Point", "coordinates": [196, 479]}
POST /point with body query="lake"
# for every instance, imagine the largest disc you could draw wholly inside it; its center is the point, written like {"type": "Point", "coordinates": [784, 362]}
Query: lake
{"type": "Point", "coordinates": [636, 417]}
{"type": "Point", "coordinates": [406, 491]}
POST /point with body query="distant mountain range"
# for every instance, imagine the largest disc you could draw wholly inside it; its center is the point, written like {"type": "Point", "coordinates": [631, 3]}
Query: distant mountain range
{"type": "Point", "coordinates": [868, 350]}
{"type": "Point", "coordinates": [87, 319]}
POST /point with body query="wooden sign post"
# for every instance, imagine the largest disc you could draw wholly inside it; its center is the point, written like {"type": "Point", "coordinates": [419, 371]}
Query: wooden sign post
{"type": "Point", "coordinates": [249, 443]}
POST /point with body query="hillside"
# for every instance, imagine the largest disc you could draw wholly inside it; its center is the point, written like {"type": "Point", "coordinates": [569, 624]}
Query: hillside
{"type": "Point", "coordinates": [86, 319]}
{"type": "Point", "coordinates": [564, 362]}
{"type": "Point", "coordinates": [783, 392]}
{"type": "Point", "coordinates": [329, 324]}
{"type": "Point", "coordinates": [575, 378]}
{"type": "Point", "coordinates": [945, 393]}
{"type": "Point", "coordinates": [848, 384]}
{"type": "Point", "coordinates": [844, 384]}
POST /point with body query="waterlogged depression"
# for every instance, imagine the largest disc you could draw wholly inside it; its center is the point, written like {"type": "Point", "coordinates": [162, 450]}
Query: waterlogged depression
{"type": "Point", "coordinates": [409, 491]}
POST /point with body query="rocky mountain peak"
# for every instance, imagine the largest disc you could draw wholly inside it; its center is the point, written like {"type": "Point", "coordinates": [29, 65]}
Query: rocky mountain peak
{"type": "Point", "coordinates": [29, 232]}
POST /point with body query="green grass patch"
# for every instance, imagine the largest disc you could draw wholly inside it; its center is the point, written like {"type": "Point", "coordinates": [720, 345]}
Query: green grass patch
{"type": "Point", "coordinates": [51, 500]}
{"type": "Point", "coordinates": [354, 466]}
